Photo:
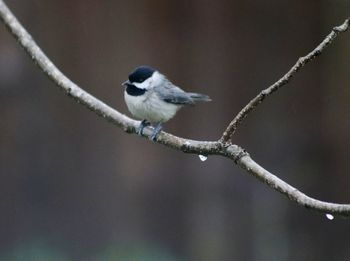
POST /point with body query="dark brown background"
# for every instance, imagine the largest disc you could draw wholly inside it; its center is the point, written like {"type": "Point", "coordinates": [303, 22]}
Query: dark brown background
{"type": "Point", "coordinates": [75, 187]}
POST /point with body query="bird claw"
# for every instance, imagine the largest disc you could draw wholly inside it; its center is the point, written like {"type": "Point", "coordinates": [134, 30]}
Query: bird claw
{"type": "Point", "coordinates": [143, 124]}
{"type": "Point", "coordinates": [155, 132]}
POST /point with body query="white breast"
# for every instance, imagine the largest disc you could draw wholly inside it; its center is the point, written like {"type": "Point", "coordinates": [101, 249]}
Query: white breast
{"type": "Point", "coordinates": [149, 107]}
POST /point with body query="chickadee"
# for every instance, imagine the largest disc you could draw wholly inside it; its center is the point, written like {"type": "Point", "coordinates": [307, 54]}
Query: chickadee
{"type": "Point", "coordinates": [152, 98]}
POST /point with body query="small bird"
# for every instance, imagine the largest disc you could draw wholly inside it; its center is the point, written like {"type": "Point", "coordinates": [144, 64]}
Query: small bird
{"type": "Point", "coordinates": [152, 98]}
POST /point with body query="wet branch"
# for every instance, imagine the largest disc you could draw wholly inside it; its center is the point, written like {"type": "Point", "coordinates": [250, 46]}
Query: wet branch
{"type": "Point", "coordinates": [221, 147]}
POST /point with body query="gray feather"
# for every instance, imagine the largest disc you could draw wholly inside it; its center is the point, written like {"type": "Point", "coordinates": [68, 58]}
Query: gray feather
{"type": "Point", "coordinates": [173, 94]}
{"type": "Point", "coordinates": [199, 97]}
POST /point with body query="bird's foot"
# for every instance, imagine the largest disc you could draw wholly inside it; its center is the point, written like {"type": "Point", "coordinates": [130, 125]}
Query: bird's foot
{"type": "Point", "coordinates": [156, 130]}
{"type": "Point", "coordinates": [143, 124]}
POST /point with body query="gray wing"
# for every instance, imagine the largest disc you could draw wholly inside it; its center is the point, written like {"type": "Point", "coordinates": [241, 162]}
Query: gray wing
{"type": "Point", "coordinates": [173, 94]}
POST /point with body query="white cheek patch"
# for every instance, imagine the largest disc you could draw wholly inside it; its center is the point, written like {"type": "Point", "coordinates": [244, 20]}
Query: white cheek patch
{"type": "Point", "coordinates": [154, 80]}
{"type": "Point", "coordinates": [143, 85]}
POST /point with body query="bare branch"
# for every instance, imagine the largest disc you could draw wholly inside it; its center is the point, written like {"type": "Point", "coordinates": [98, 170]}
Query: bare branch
{"type": "Point", "coordinates": [231, 128]}
{"type": "Point", "coordinates": [233, 152]}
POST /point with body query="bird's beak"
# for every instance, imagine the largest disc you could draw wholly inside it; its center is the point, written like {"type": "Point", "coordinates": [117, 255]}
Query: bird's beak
{"type": "Point", "coordinates": [126, 83]}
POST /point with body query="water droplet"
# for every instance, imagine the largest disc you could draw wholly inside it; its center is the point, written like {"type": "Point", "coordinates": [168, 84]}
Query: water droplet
{"type": "Point", "coordinates": [202, 157]}
{"type": "Point", "coordinates": [330, 216]}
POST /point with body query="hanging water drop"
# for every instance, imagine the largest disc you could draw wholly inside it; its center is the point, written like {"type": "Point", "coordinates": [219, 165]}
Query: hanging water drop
{"type": "Point", "coordinates": [202, 157]}
{"type": "Point", "coordinates": [330, 216]}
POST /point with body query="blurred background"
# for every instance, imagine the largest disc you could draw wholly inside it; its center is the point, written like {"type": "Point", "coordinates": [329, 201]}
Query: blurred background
{"type": "Point", "coordinates": [75, 187]}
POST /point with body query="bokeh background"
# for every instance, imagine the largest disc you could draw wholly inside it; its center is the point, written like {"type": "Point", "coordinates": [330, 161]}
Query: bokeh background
{"type": "Point", "coordinates": [75, 187]}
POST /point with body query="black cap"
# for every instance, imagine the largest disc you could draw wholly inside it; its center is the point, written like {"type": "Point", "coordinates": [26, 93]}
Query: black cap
{"type": "Point", "coordinates": [141, 73]}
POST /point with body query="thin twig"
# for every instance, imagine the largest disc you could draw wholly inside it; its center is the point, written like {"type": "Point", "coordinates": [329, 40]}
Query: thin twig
{"type": "Point", "coordinates": [233, 152]}
{"type": "Point", "coordinates": [232, 127]}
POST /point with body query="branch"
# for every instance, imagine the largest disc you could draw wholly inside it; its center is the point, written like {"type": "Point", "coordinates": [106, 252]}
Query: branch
{"type": "Point", "coordinates": [233, 152]}
{"type": "Point", "coordinates": [231, 128]}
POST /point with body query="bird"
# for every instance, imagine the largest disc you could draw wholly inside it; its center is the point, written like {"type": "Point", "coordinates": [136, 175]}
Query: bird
{"type": "Point", "coordinates": [153, 99]}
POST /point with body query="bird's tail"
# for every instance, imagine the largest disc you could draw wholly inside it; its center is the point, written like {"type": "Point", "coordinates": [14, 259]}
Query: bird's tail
{"type": "Point", "coordinates": [199, 97]}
